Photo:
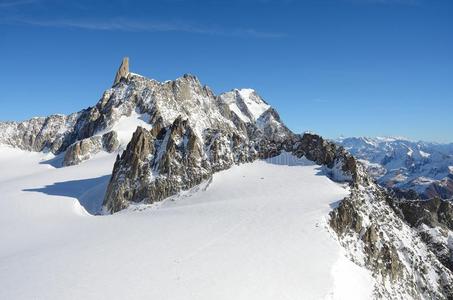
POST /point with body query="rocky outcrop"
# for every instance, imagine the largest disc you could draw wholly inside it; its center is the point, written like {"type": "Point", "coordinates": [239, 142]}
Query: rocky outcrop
{"type": "Point", "coordinates": [84, 149]}
{"type": "Point", "coordinates": [368, 223]}
{"type": "Point", "coordinates": [126, 183]}
{"type": "Point", "coordinates": [434, 212]}
{"type": "Point", "coordinates": [339, 164]}
{"type": "Point", "coordinates": [194, 133]}
{"type": "Point", "coordinates": [110, 141]}
{"type": "Point", "coordinates": [123, 71]}
{"type": "Point", "coordinates": [433, 220]}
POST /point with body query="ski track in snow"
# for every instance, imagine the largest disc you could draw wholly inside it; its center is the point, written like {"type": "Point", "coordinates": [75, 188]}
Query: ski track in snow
{"type": "Point", "coordinates": [257, 231]}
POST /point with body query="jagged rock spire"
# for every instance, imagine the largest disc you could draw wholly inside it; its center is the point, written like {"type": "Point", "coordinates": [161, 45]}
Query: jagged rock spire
{"type": "Point", "coordinates": [123, 70]}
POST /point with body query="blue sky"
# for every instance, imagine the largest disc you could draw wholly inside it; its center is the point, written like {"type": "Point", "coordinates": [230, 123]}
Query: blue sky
{"type": "Point", "coordinates": [336, 67]}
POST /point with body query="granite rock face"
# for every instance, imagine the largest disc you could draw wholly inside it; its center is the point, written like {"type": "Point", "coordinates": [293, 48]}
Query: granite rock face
{"type": "Point", "coordinates": [82, 150]}
{"type": "Point", "coordinates": [123, 71]}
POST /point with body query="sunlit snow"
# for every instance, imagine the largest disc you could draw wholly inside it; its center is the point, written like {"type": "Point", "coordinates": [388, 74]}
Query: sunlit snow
{"type": "Point", "coordinates": [256, 231]}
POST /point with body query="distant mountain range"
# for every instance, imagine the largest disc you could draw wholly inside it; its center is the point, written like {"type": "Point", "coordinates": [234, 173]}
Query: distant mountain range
{"type": "Point", "coordinates": [423, 167]}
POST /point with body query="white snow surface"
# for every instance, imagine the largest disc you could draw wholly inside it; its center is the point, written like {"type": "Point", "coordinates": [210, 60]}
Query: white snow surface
{"type": "Point", "coordinates": [256, 231]}
{"type": "Point", "coordinates": [254, 103]}
{"type": "Point", "coordinates": [126, 126]}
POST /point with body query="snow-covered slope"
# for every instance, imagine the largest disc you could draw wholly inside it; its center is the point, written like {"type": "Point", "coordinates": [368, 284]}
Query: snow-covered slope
{"type": "Point", "coordinates": [398, 163]}
{"type": "Point", "coordinates": [255, 231]}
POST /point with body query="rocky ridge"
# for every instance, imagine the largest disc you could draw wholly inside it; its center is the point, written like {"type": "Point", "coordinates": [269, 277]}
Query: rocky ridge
{"type": "Point", "coordinates": [369, 224]}
{"type": "Point", "coordinates": [165, 160]}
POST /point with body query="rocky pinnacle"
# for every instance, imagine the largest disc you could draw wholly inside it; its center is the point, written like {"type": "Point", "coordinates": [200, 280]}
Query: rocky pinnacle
{"type": "Point", "coordinates": [123, 70]}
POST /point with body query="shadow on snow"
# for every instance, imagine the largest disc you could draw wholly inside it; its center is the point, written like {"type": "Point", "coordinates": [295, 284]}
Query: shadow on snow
{"type": "Point", "coordinates": [89, 192]}
{"type": "Point", "coordinates": [56, 162]}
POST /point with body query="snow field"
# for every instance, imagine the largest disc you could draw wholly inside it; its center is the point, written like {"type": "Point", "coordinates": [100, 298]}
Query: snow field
{"type": "Point", "coordinates": [257, 231]}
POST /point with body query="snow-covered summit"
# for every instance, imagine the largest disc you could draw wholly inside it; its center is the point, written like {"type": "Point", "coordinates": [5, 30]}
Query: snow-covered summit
{"type": "Point", "coordinates": [245, 103]}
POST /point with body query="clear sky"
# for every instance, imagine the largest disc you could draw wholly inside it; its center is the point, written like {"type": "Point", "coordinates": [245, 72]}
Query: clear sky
{"type": "Point", "coordinates": [336, 67]}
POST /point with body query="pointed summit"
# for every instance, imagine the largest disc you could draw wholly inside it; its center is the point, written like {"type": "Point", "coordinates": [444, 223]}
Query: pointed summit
{"type": "Point", "coordinates": [123, 70]}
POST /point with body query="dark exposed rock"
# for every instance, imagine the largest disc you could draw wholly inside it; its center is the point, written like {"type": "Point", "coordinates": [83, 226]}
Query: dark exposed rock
{"type": "Point", "coordinates": [124, 183]}
{"type": "Point", "coordinates": [340, 164]}
{"type": "Point", "coordinates": [432, 219]}
{"type": "Point", "coordinates": [345, 218]}
{"type": "Point", "coordinates": [318, 150]}
{"type": "Point", "coordinates": [434, 212]}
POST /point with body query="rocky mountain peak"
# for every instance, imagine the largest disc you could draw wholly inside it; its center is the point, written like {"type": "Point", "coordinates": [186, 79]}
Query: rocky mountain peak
{"type": "Point", "coordinates": [123, 70]}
